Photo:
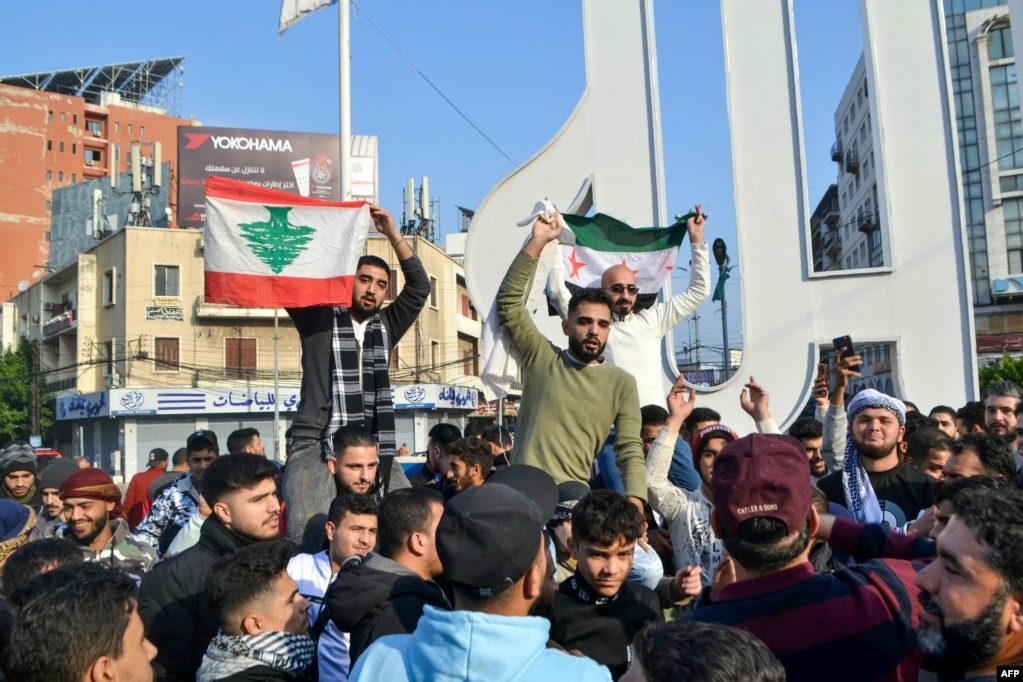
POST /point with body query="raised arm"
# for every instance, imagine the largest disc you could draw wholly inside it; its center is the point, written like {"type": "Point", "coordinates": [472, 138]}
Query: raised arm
{"type": "Point", "coordinates": [665, 497]}
{"type": "Point", "coordinates": [835, 420]}
{"type": "Point", "coordinates": [510, 306]}
{"type": "Point", "coordinates": [673, 311]}
{"type": "Point", "coordinates": [402, 312]}
{"type": "Point", "coordinates": [756, 402]}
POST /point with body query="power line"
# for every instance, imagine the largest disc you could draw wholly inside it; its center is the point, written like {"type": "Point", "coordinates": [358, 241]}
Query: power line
{"type": "Point", "coordinates": [431, 84]}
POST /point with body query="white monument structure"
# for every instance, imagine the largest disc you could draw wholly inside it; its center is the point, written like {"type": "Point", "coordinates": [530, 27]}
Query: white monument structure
{"type": "Point", "coordinates": [788, 310]}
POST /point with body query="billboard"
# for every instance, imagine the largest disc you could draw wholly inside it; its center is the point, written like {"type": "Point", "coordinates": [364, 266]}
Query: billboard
{"type": "Point", "coordinates": [301, 163]}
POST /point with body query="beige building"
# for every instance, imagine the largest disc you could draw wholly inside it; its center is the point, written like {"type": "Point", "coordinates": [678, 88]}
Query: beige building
{"type": "Point", "coordinates": [138, 359]}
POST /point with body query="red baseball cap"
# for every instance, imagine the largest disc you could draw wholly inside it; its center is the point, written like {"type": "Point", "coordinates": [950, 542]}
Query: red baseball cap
{"type": "Point", "coordinates": [761, 475]}
{"type": "Point", "coordinates": [706, 434]}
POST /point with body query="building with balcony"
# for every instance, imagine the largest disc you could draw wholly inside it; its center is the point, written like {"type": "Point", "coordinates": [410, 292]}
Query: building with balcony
{"type": "Point", "coordinates": [60, 129]}
{"type": "Point", "coordinates": [138, 359]}
{"type": "Point", "coordinates": [860, 239]}
{"type": "Point", "coordinates": [826, 242]}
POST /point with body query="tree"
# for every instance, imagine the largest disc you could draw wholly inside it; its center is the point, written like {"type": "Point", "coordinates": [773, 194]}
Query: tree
{"type": "Point", "coordinates": [15, 392]}
{"type": "Point", "coordinates": [1005, 368]}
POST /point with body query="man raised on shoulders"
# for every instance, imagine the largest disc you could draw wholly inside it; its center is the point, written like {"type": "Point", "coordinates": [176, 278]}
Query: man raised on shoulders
{"type": "Point", "coordinates": [572, 397]}
{"type": "Point", "coordinates": [345, 351]}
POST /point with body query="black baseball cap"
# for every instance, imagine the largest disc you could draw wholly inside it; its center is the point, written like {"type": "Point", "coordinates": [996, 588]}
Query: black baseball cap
{"type": "Point", "coordinates": [203, 438]}
{"type": "Point", "coordinates": [157, 455]}
{"type": "Point", "coordinates": [489, 537]}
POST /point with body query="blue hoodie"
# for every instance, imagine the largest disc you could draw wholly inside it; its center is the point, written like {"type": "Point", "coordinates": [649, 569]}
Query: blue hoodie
{"type": "Point", "coordinates": [471, 646]}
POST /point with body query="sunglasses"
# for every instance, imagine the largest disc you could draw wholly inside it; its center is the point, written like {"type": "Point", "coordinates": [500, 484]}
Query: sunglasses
{"type": "Point", "coordinates": [622, 288]}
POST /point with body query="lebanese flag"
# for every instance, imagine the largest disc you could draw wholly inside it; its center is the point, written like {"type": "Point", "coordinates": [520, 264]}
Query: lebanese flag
{"type": "Point", "coordinates": [592, 244]}
{"type": "Point", "coordinates": [270, 249]}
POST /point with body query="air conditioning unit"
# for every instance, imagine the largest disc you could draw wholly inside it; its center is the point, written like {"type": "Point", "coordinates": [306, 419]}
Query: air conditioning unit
{"type": "Point", "coordinates": [96, 133]}
{"type": "Point", "coordinates": [113, 380]}
{"type": "Point", "coordinates": [47, 306]}
{"type": "Point", "coordinates": [90, 162]}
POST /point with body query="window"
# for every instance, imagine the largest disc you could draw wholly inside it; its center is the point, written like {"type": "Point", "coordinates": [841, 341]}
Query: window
{"type": "Point", "coordinates": [109, 287]}
{"type": "Point", "coordinates": [49, 145]}
{"type": "Point", "coordinates": [94, 127]}
{"type": "Point", "coordinates": [142, 131]}
{"type": "Point", "coordinates": [94, 155]}
{"type": "Point", "coordinates": [875, 249]}
{"type": "Point", "coordinates": [108, 354]}
{"type": "Point", "coordinates": [117, 126]}
{"type": "Point", "coordinates": [392, 287]}
{"type": "Point", "coordinates": [74, 178]}
{"type": "Point", "coordinates": [166, 354]}
{"type": "Point", "coordinates": [166, 280]}
{"type": "Point", "coordinates": [434, 355]}
{"type": "Point", "coordinates": [60, 176]}
{"type": "Point", "coordinates": [1008, 126]}
{"type": "Point", "coordinates": [467, 353]}
{"type": "Point", "coordinates": [129, 129]}
{"type": "Point", "coordinates": [999, 44]}
{"type": "Point", "coordinates": [62, 119]}
{"type": "Point", "coordinates": [240, 358]}
{"type": "Point", "coordinates": [433, 291]}
{"type": "Point", "coordinates": [49, 205]}
{"type": "Point", "coordinates": [74, 148]}
{"type": "Point", "coordinates": [49, 176]}
{"type": "Point", "coordinates": [62, 146]}
{"type": "Point", "coordinates": [74, 119]}
{"type": "Point", "coordinates": [49, 115]}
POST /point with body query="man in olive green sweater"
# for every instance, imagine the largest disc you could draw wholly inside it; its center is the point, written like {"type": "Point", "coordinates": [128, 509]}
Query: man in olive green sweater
{"type": "Point", "coordinates": [571, 398]}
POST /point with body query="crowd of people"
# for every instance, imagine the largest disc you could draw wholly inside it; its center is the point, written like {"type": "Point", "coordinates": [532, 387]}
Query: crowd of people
{"type": "Point", "coordinates": [625, 533]}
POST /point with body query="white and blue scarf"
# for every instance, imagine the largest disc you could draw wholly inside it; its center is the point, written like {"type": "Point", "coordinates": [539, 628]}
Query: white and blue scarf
{"type": "Point", "coordinates": [227, 655]}
{"type": "Point", "coordinates": [859, 494]}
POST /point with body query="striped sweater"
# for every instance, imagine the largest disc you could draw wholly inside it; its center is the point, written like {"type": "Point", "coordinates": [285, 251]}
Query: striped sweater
{"type": "Point", "coordinates": [854, 624]}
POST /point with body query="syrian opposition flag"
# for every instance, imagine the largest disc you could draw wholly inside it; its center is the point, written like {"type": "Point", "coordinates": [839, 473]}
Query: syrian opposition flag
{"type": "Point", "coordinates": [593, 244]}
{"type": "Point", "coordinates": [293, 10]}
{"type": "Point", "coordinates": [271, 249]}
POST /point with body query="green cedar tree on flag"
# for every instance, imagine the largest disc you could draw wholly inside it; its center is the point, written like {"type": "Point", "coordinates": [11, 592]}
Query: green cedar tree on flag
{"type": "Point", "coordinates": [270, 249]}
{"type": "Point", "coordinates": [592, 244]}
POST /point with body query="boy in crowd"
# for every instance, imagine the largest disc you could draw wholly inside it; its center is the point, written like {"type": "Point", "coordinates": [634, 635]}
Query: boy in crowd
{"type": "Point", "coordinates": [597, 611]}
{"type": "Point", "coordinates": [264, 627]}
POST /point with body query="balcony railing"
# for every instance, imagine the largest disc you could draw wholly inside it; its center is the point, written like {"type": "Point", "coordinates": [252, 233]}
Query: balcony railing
{"type": "Point", "coordinates": [852, 162]}
{"type": "Point", "coordinates": [868, 223]}
{"type": "Point", "coordinates": [256, 376]}
{"type": "Point", "coordinates": [836, 151]}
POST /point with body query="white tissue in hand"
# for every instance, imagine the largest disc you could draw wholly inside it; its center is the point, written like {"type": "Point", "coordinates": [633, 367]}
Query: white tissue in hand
{"type": "Point", "coordinates": [543, 209]}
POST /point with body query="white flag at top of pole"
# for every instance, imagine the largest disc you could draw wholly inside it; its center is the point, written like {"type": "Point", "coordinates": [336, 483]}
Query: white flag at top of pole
{"type": "Point", "coordinates": [293, 10]}
{"type": "Point", "coordinates": [271, 249]}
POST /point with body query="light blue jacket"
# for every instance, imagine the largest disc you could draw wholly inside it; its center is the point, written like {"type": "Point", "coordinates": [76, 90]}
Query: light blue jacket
{"type": "Point", "coordinates": [471, 646]}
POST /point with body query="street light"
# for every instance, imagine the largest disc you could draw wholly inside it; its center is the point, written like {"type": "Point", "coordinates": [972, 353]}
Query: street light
{"type": "Point", "coordinates": [720, 251]}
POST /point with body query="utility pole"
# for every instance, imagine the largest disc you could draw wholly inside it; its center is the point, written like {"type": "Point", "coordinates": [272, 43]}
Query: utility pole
{"type": "Point", "coordinates": [35, 428]}
{"type": "Point", "coordinates": [720, 251]}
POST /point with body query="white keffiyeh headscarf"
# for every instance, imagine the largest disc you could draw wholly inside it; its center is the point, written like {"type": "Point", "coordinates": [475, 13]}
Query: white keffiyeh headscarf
{"type": "Point", "coordinates": [859, 494]}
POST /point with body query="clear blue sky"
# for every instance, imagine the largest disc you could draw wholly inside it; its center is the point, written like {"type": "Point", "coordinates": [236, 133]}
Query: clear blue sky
{"type": "Point", "coordinates": [514, 67]}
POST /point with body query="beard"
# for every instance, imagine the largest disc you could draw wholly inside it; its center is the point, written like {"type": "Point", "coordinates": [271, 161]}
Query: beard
{"type": "Point", "coordinates": [965, 646]}
{"type": "Point", "coordinates": [580, 351]}
{"type": "Point", "coordinates": [871, 451]}
{"type": "Point", "coordinates": [363, 311]}
{"type": "Point", "coordinates": [818, 467]}
{"type": "Point", "coordinates": [97, 528]}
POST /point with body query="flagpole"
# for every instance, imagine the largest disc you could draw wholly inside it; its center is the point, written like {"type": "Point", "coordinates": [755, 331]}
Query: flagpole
{"type": "Point", "coordinates": [277, 394]}
{"type": "Point", "coordinates": [345, 93]}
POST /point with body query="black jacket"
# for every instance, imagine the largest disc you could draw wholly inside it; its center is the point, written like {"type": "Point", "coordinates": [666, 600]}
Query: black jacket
{"type": "Point", "coordinates": [379, 597]}
{"type": "Point", "coordinates": [315, 328]}
{"type": "Point", "coordinates": [172, 606]}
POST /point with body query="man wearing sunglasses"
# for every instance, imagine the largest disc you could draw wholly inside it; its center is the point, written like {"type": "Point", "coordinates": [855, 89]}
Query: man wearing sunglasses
{"type": "Point", "coordinates": [635, 340]}
{"type": "Point", "coordinates": [634, 344]}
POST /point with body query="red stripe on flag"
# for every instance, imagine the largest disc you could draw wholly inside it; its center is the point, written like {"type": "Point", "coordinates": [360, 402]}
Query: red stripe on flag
{"type": "Point", "coordinates": [236, 190]}
{"type": "Point", "coordinates": [267, 291]}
